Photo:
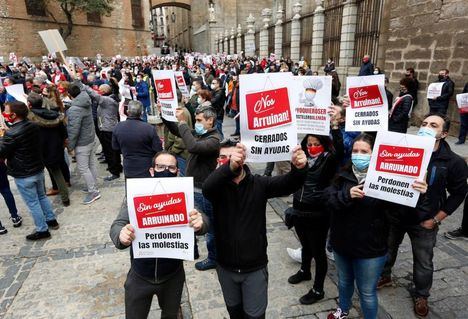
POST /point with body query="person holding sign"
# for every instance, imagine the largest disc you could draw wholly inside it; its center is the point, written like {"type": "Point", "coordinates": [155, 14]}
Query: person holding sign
{"type": "Point", "coordinates": [239, 201]}
{"type": "Point", "coordinates": [440, 102]}
{"type": "Point", "coordinates": [399, 114]}
{"type": "Point", "coordinates": [147, 277]}
{"type": "Point", "coordinates": [447, 172]}
{"type": "Point", "coordinates": [358, 232]}
{"type": "Point", "coordinates": [462, 100]}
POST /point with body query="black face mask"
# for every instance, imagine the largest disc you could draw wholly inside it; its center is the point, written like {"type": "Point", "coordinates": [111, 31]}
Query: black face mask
{"type": "Point", "coordinates": [441, 77]}
{"type": "Point", "coordinates": [165, 173]}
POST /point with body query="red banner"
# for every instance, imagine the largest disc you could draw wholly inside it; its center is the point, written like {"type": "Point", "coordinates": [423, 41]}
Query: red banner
{"type": "Point", "coordinates": [164, 89]}
{"type": "Point", "coordinates": [160, 210]}
{"type": "Point", "coordinates": [400, 160]}
{"type": "Point", "coordinates": [365, 96]}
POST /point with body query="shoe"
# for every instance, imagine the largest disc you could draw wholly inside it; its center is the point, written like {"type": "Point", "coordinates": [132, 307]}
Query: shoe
{"type": "Point", "coordinates": [295, 254]}
{"type": "Point", "coordinates": [73, 159]}
{"type": "Point", "coordinates": [330, 254]}
{"type": "Point", "coordinates": [3, 230]}
{"type": "Point", "coordinates": [111, 177]}
{"type": "Point", "coordinates": [337, 314]}
{"type": "Point", "coordinates": [205, 264]}
{"type": "Point", "coordinates": [384, 282]}
{"type": "Point", "coordinates": [38, 235]}
{"type": "Point", "coordinates": [455, 234]}
{"type": "Point", "coordinates": [459, 142]}
{"type": "Point", "coordinates": [66, 203]}
{"type": "Point", "coordinates": [17, 221]}
{"type": "Point", "coordinates": [235, 134]}
{"type": "Point", "coordinates": [53, 224]}
{"type": "Point", "coordinates": [52, 192]}
{"type": "Point", "coordinates": [311, 297]}
{"type": "Point", "coordinates": [299, 277]}
{"type": "Point", "coordinates": [68, 184]}
{"type": "Point", "coordinates": [84, 190]}
{"type": "Point", "coordinates": [421, 308]}
{"type": "Point", "coordinates": [91, 197]}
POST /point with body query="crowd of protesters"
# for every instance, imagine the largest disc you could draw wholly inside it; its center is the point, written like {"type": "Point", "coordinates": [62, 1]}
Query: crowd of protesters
{"type": "Point", "coordinates": [72, 110]}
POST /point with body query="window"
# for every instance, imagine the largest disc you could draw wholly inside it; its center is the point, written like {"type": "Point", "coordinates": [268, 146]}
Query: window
{"type": "Point", "coordinates": [94, 17]}
{"type": "Point", "coordinates": [35, 7]}
{"type": "Point", "coordinates": [137, 17]}
{"type": "Point", "coordinates": [367, 30]}
{"type": "Point", "coordinates": [332, 33]}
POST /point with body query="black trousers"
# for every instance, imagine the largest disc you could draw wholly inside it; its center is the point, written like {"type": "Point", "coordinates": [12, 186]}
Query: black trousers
{"type": "Point", "coordinates": [65, 172]}
{"type": "Point", "coordinates": [114, 163]}
{"type": "Point", "coordinates": [139, 294]}
{"type": "Point", "coordinates": [312, 233]}
{"type": "Point", "coordinates": [464, 225]}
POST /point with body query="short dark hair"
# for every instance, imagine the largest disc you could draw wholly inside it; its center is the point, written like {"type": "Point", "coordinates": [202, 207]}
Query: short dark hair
{"type": "Point", "coordinates": [446, 126]}
{"type": "Point", "coordinates": [406, 82]}
{"type": "Point", "coordinates": [218, 80]}
{"type": "Point", "coordinates": [229, 142]}
{"type": "Point", "coordinates": [19, 108]}
{"type": "Point", "coordinates": [35, 100]}
{"type": "Point", "coordinates": [410, 70]}
{"type": "Point", "coordinates": [74, 90]}
{"type": "Point", "coordinates": [446, 70]}
{"type": "Point", "coordinates": [164, 153]}
{"type": "Point", "coordinates": [364, 137]}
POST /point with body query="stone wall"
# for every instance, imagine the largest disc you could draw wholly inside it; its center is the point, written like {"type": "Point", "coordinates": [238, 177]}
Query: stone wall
{"type": "Point", "coordinates": [115, 35]}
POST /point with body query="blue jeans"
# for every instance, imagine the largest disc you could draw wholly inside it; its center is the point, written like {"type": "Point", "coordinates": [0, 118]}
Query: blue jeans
{"type": "Point", "coordinates": [32, 191]}
{"type": "Point", "coordinates": [219, 127]}
{"type": "Point", "coordinates": [202, 204]}
{"type": "Point", "coordinates": [181, 163]}
{"type": "Point", "coordinates": [365, 272]}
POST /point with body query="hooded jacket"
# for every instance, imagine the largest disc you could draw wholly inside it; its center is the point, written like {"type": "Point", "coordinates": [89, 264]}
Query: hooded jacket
{"type": "Point", "coordinates": [107, 109]}
{"type": "Point", "coordinates": [80, 125]}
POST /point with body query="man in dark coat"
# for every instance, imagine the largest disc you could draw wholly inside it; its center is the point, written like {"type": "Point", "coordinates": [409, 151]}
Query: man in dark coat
{"type": "Point", "coordinates": [217, 102]}
{"type": "Point", "coordinates": [367, 68]}
{"type": "Point", "coordinates": [440, 104]}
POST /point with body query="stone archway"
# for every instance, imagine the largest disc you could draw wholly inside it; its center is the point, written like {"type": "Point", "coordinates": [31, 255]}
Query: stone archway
{"type": "Point", "coordinates": [186, 4]}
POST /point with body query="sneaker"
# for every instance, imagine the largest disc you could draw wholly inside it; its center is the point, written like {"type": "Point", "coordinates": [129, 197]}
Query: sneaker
{"type": "Point", "coordinates": [205, 264]}
{"type": "Point", "coordinates": [3, 230]}
{"type": "Point", "coordinates": [53, 224]}
{"type": "Point", "coordinates": [455, 234]}
{"type": "Point", "coordinates": [384, 282]}
{"type": "Point", "coordinates": [459, 142]}
{"type": "Point", "coordinates": [299, 277]}
{"type": "Point", "coordinates": [91, 197]}
{"type": "Point", "coordinates": [330, 255]}
{"type": "Point", "coordinates": [111, 177]}
{"type": "Point", "coordinates": [38, 235]}
{"type": "Point", "coordinates": [421, 308]}
{"type": "Point", "coordinates": [66, 203]}
{"type": "Point", "coordinates": [52, 192]}
{"type": "Point", "coordinates": [17, 221]}
{"type": "Point", "coordinates": [311, 297]}
{"type": "Point", "coordinates": [295, 254]}
{"type": "Point", "coordinates": [337, 314]}
{"type": "Point", "coordinates": [84, 190]}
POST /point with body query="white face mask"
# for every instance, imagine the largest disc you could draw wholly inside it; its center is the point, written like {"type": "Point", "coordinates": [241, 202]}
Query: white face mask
{"type": "Point", "coordinates": [376, 72]}
{"type": "Point", "coordinates": [309, 96]}
{"type": "Point", "coordinates": [199, 100]}
{"type": "Point", "coordinates": [213, 87]}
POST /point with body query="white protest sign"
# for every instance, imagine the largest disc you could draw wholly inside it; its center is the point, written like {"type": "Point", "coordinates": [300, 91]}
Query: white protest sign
{"type": "Point", "coordinates": [167, 95]}
{"type": "Point", "coordinates": [17, 91]}
{"type": "Point", "coordinates": [462, 102]}
{"type": "Point", "coordinates": [368, 110]}
{"type": "Point", "coordinates": [397, 161]}
{"type": "Point", "coordinates": [179, 77]}
{"type": "Point", "coordinates": [314, 96]}
{"type": "Point", "coordinates": [76, 61]}
{"type": "Point", "coordinates": [434, 90]}
{"type": "Point", "coordinates": [268, 116]}
{"type": "Point", "coordinates": [190, 61]}
{"type": "Point", "coordinates": [158, 209]}
{"type": "Point", "coordinates": [53, 40]}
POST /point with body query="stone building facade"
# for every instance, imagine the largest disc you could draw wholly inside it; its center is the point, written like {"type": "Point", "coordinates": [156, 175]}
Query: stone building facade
{"type": "Point", "coordinates": [125, 32]}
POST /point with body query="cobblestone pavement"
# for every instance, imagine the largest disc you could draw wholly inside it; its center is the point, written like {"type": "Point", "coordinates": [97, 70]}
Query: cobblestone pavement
{"type": "Point", "coordinates": [79, 274]}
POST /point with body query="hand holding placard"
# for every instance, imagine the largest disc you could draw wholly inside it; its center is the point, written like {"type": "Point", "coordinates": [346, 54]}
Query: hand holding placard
{"type": "Point", "coordinates": [127, 235]}
{"type": "Point", "coordinates": [299, 159]}
{"type": "Point", "coordinates": [237, 157]}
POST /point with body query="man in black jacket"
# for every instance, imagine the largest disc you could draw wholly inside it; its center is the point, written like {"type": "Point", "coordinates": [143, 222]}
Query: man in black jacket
{"type": "Point", "coordinates": [440, 104]}
{"type": "Point", "coordinates": [367, 68]}
{"type": "Point", "coordinates": [21, 147]}
{"type": "Point", "coordinates": [447, 172]}
{"type": "Point", "coordinates": [239, 201]}
{"type": "Point", "coordinates": [217, 102]}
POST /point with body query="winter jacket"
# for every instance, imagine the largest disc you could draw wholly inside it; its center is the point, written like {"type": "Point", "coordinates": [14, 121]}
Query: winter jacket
{"type": "Point", "coordinates": [400, 111]}
{"type": "Point", "coordinates": [153, 269]}
{"type": "Point", "coordinates": [366, 69]}
{"type": "Point", "coordinates": [329, 67]}
{"type": "Point", "coordinates": [239, 214]}
{"type": "Point", "coordinates": [358, 227]}
{"type": "Point", "coordinates": [143, 93]}
{"type": "Point", "coordinates": [138, 142]}
{"type": "Point", "coordinates": [217, 101]}
{"type": "Point", "coordinates": [107, 110]}
{"type": "Point", "coordinates": [53, 134]}
{"type": "Point", "coordinates": [80, 124]}
{"type": "Point", "coordinates": [21, 147]}
{"type": "Point", "coordinates": [441, 102]}
{"type": "Point", "coordinates": [175, 144]}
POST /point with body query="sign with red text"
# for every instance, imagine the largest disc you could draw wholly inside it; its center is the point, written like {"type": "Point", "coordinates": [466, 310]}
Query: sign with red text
{"type": "Point", "coordinates": [462, 102]}
{"type": "Point", "coordinates": [179, 77]}
{"type": "Point", "coordinates": [368, 110]}
{"type": "Point", "coordinates": [314, 97]}
{"type": "Point", "coordinates": [267, 116]}
{"type": "Point", "coordinates": [434, 90]}
{"type": "Point", "coordinates": [167, 95]}
{"type": "Point", "coordinates": [397, 161]}
{"type": "Point", "coordinates": [158, 210]}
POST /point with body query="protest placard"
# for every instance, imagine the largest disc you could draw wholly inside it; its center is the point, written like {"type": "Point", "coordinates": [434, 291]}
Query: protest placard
{"type": "Point", "coordinates": [179, 76]}
{"type": "Point", "coordinates": [268, 116]}
{"type": "Point", "coordinates": [53, 40]}
{"type": "Point", "coordinates": [462, 102]}
{"type": "Point", "coordinates": [167, 95]}
{"type": "Point", "coordinates": [314, 98]}
{"type": "Point", "coordinates": [397, 161]}
{"type": "Point", "coordinates": [17, 91]}
{"type": "Point", "coordinates": [158, 209]}
{"type": "Point", "coordinates": [434, 90]}
{"type": "Point", "coordinates": [368, 110]}
{"type": "Point", "coordinates": [76, 61]}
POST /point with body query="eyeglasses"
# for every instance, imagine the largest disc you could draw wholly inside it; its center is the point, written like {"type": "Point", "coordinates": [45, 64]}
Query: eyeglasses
{"type": "Point", "coordinates": [162, 168]}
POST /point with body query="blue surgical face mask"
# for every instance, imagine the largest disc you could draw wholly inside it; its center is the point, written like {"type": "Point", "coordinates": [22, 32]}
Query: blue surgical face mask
{"type": "Point", "coordinates": [426, 131]}
{"type": "Point", "coordinates": [361, 161]}
{"type": "Point", "coordinates": [200, 129]}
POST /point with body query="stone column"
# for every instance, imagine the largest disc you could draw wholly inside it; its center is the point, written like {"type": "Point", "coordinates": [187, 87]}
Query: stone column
{"type": "Point", "coordinates": [221, 40]}
{"type": "Point", "coordinates": [226, 41]}
{"type": "Point", "coordinates": [279, 32]}
{"type": "Point", "coordinates": [232, 41]}
{"type": "Point", "coordinates": [317, 37]}
{"type": "Point", "coordinates": [239, 39]}
{"type": "Point", "coordinates": [216, 44]}
{"type": "Point", "coordinates": [296, 32]}
{"type": "Point", "coordinates": [348, 31]}
{"type": "Point", "coordinates": [212, 45]}
{"type": "Point", "coordinates": [250, 36]}
{"type": "Point", "coordinates": [266, 14]}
